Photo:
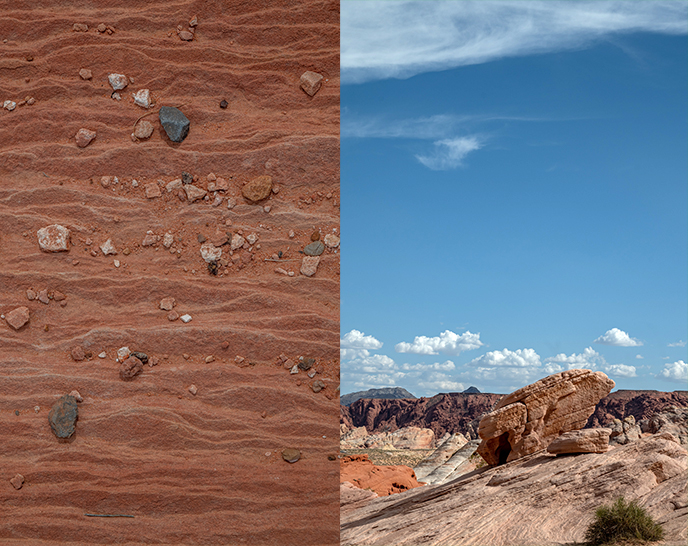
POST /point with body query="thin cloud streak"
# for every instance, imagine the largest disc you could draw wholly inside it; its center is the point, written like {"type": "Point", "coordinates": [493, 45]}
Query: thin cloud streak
{"type": "Point", "coordinates": [403, 38]}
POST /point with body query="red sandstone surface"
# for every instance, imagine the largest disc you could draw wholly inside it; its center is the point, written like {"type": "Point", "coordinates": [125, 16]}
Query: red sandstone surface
{"type": "Point", "coordinates": [383, 480]}
{"type": "Point", "coordinates": [192, 469]}
{"type": "Point", "coordinates": [454, 412]}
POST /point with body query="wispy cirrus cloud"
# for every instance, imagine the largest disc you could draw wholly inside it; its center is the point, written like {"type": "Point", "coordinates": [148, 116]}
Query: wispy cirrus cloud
{"type": "Point", "coordinates": [403, 38]}
{"type": "Point", "coordinates": [449, 153]}
{"type": "Point", "coordinates": [680, 343]}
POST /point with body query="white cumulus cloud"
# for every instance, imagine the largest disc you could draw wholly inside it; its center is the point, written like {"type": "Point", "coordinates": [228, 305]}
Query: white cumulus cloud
{"type": "Point", "coordinates": [639, 357]}
{"type": "Point", "coordinates": [445, 366]}
{"type": "Point", "coordinates": [620, 370]}
{"type": "Point", "coordinates": [449, 153]}
{"type": "Point", "coordinates": [676, 371]}
{"type": "Point", "coordinates": [521, 358]}
{"type": "Point", "coordinates": [382, 39]}
{"type": "Point", "coordinates": [358, 340]}
{"type": "Point", "coordinates": [447, 342]}
{"type": "Point", "coordinates": [677, 344]}
{"type": "Point", "coordinates": [618, 338]}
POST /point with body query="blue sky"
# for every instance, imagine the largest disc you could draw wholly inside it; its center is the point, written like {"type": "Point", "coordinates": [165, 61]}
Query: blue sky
{"type": "Point", "coordinates": [514, 193]}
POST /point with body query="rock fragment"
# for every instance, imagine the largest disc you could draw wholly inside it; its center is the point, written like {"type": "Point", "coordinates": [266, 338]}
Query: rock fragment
{"type": "Point", "coordinates": [130, 368]}
{"type": "Point", "coordinates": [144, 129]}
{"type": "Point", "coordinates": [291, 455]}
{"type": "Point", "coordinates": [172, 316]}
{"type": "Point", "coordinates": [331, 241]}
{"type": "Point", "coordinates": [309, 265]}
{"type": "Point", "coordinates": [84, 137]}
{"type": "Point", "coordinates": [152, 190]}
{"type": "Point", "coordinates": [223, 104]}
{"type": "Point", "coordinates": [193, 389]}
{"type": "Point", "coordinates": [76, 396]}
{"type": "Point", "coordinates": [31, 294]}
{"type": "Point", "coordinates": [166, 304]}
{"type": "Point", "coordinates": [185, 318]}
{"type": "Point", "coordinates": [63, 416]}
{"type": "Point", "coordinates": [317, 385]}
{"type": "Point", "coordinates": [123, 353]}
{"type": "Point", "coordinates": [150, 239]}
{"type": "Point", "coordinates": [175, 123]}
{"type": "Point", "coordinates": [9, 105]}
{"type": "Point", "coordinates": [258, 189]}
{"type": "Point", "coordinates": [237, 242]}
{"type": "Point", "coordinates": [167, 240]}
{"type": "Point", "coordinates": [118, 81]}
{"type": "Point", "coordinates": [142, 98]}
{"type": "Point", "coordinates": [79, 27]}
{"type": "Point", "coordinates": [175, 184]}
{"type": "Point", "coordinates": [54, 238]}
{"type": "Point", "coordinates": [194, 193]}
{"type": "Point", "coordinates": [17, 482]}
{"type": "Point", "coordinates": [210, 253]}
{"type": "Point", "coordinates": [593, 440]}
{"type": "Point", "coordinates": [108, 248]}
{"type": "Point", "coordinates": [143, 357]}
{"type": "Point", "coordinates": [85, 74]}
{"type": "Point", "coordinates": [18, 317]}
{"type": "Point", "coordinates": [316, 248]}
{"type": "Point", "coordinates": [311, 82]}
{"type": "Point", "coordinates": [185, 35]}
{"type": "Point", "coordinates": [78, 353]}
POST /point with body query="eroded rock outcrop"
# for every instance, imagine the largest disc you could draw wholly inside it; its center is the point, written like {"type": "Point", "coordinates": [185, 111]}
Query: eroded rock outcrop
{"type": "Point", "coordinates": [404, 438]}
{"type": "Point", "coordinates": [383, 480]}
{"type": "Point", "coordinates": [528, 419]}
{"type": "Point", "coordinates": [592, 440]}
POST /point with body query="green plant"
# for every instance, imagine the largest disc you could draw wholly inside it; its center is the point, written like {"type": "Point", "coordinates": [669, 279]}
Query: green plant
{"type": "Point", "coordinates": [622, 522]}
{"type": "Point", "coordinates": [477, 460]}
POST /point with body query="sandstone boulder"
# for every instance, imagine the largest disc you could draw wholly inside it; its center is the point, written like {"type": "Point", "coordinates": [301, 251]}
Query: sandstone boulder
{"type": "Point", "coordinates": [623, 432]}
{"type": "Point", "coordinates": [673, 420]}
{"type": "Point", "coordinates": [592, 440]}
{"type": "Point", "coordinates": [528, 419]}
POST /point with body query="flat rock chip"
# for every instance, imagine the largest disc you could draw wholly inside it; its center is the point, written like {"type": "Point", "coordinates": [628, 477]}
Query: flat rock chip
{"type": "Point", "coordinates": [258, 188]}
{"type": "Point", "coordinates": [80, 27]}
{"type": "Point", "coordinates": [152, 190]}
{"type": "Point", "coordinates": [307, 363]}
{"type": "Point", "coordinates": [317, 385]}
{"type": "Point", "coordinates": [291, 455]}
{"type": "Point", "coordinates": [77, 353]}
{"type": "Point", "coordinates": [53, 238]}
{"type": "Point", "coordinates": [63, 416]}
{"type": "Point", "coordinates": [175, 123]}
{"type": "Point", "coordinates": [167, 304]}
{"type": "Point", "coordinates": [17, 318]}
{"type": "Point", "coordinates": [186, 35]}
{"type": "Point", "coordinates": [143, 357]}
{"type": "Point", "coordinates": [130, 368]}
{"type": "Point", "coordinates": [17, 482]}
{"type": "Point", "coordinates": [332, 241]}
{"type": "Point", "coordinates": [194, 193]}
{"type": "Point", "coordinates": [85, 74]}
{"type": "Point", "coordinates": [142, 98]}
{"type": "Point", "coordinates": [210, 253]}
{"type": "Point", "coordinates": [187, 178]}
{"type": "Point", "coordinates": [108, 248]}
{"type": "Point", "coordinates": [311, 82]}
{"type": "Point", "coordinates": [144, 129]}
{"type": "Point", "coordinates": [316, 248]}
{"type": "Point", "coordinates": [84, 137]}
{"type": "Point", "coordinates": [118, 81]}
{"type": "Point", "coordinates": [309, 265]}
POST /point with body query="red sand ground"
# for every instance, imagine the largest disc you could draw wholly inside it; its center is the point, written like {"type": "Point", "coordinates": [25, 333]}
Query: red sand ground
{"type": "Point", "coordinates": [384, 480]}
{"type": "Point", "coordinates": [191, 469]}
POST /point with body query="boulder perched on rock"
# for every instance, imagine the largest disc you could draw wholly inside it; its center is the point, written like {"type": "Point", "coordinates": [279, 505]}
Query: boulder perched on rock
{"type": "Point", "coordinates": [591, 440]}
{"type": "Point", "coordinates": [528, 419]}
{"type": "Point", "coordinates": [175, 123]}
{"type": "Point", "coordinates": [623, 432]}
{"type": "Point", "coordinates": [63, 416]}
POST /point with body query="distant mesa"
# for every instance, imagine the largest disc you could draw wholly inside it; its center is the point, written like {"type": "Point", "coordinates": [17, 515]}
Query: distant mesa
{"type": "Point", "coordinates": [387, 393]}
{"type": "Point", "coordinates": [472, 390]}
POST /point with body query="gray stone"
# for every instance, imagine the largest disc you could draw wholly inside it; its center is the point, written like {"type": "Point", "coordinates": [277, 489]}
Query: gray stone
{"type": "Point", "coordinates": [63, 416]}
{"type": "Point", "coordinates": [316, 248]}
{"type": "Point", "coordinates": [175, 123]}
{"type": "Point", "coordinates": [143, 357]}
{"type": "Point", "coordinates": [307, 363]}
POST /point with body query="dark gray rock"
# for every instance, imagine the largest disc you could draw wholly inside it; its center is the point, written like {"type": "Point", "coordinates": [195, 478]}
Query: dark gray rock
{"type": "Point", "coordinates": [186, 178]}
{"type": "Point", "coordinates": [307, 363]}
{"type": "Point", "coordinates": [143, 357]}
{"type": "Point", "coordinates": [63, 416]}
{"type": "Point", "coordinates": [471, 390]}
{"type": "Point", "coordinates": [175, 123]}
{"type": "Point", "coordinates": [316, 248]}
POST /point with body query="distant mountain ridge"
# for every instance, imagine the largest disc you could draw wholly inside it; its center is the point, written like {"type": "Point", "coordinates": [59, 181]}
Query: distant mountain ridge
{"type": "Point", "coordinates": [387, 393]}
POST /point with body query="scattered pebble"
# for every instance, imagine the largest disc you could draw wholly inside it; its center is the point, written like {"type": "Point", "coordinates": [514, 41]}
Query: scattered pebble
{"type": "Point", "coordinates": [175, 184]}
{"type": "Point", "coordinates": [175, 123]}
{"type": "Point", "coordinates": [116, 263]}
{"type": "Point", "coordinates": [152, 190]}
{"type": "Point", "coordinates": [267, 208]}
{"type": "Point", "coordinates": [143, 357]}
{"type": "Point", "coordinates": [130, 368]}
{"type": "Point", "coordinates": [85, 74]}
{"type": "Point", "coordinates": [150, 239]}
{"type": "Point", "coordinates": [43, 296]}
{"type": "Point", "coordinates": [9, 105]}
{"type": "Point", "coordinates": [84, 137]}
{"type": "Point", "coordinates": [331, 241]}
{"type": "Point", "coordinates": [317, 385]}
{"type": "Point", "coordinates": [116, 96]}
{"type": "Point", "coordinates": [123, 353]}
{"type": "Point", "coordinates": [311, 82]}
{"type": "Point", "coordinates": [118, 81]}
{"type": "Point", "coordinates": [312, 373]}
{"type": "Point", "coordinates": [54, 238]}
{"type": "Point", "coordinates": [210, 253]}
{"type": "Point", "coordinates": [258, 189]}
{"type": "Point", "coordinates": [306, 363]}
{"type": "Point", "coordinates": [102, 355]}
{"type": "Point", "coordinates": [108, 248]}
{"type": "Point", "coordinates": [167, 240]}
{"type": "Point", "coordinates": [18, 317]}
{"type": "Point", "coordinates": [30, 294]}
{"type": "Point", "coordinates": [63, 416]}
{"type": "Point", "coordinates": [77, 353]}
{"type": "Point", "coordinates": [185, 318]}
{"type": "Point", "coordinates": [309, 265]}
{"type": "Point", "coordinates": [144, 130]}
{"type": "Point", "coordinates": [294, 370]}
{"type": "Point", "coordinates": [186, 35]}
{"type": "Point", "coordinates": [223, 104]}
{"type": "Point", "coordinates": [315, 236]}
{"type": "Point", "coordinates": [142, 98]}
{"type": "Point", "coordinates": [101, 28]}
{"type": "Point", "coordinates": [291, 234]}
{"type": "Point", "coordinates": [281, 271]}
{"type": "Point", "coordinates": [193, 21]}
{"type": "Point", "coordinates": [36, 409]}
{"type": "Point", "coordinates": [79, 27]}
{"type": "Point", "coordinates": [237, 242]}
{"type": "Point", "coordinates": [209, 359]}
{"type": "Point", "coordinates": [193, 389]}
{"type": "Point", "coordinates": [316, 248]}
{"type": "Point", "coordinates": [166, 304]}
{"type": "Point", "coordinates": [76, 396]}
{"type": "Point", "coordinates": [291, 455]}
{"type": "Point", "coordinates": [172, 316]}
{"type": "Point", "coordinates": [194, 193]}
{"type": "Point", "coordinates": [17, 482]}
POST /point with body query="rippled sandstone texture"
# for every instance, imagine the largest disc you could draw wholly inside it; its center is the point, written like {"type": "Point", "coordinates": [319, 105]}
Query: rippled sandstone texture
{"type": "Point", "coordinates": [192, 469]}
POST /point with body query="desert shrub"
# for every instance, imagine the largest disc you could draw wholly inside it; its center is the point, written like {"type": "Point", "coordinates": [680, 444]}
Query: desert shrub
{"type": "Point", "coordinates": [477, 460]}
{"type": "Point", "coordinates": [622, 522]}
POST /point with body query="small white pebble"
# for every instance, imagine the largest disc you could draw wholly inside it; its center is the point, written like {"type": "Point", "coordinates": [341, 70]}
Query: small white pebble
{"type": "Point", "coordinates": [116, 262]}
{"type": "Point", "coordinates": [267, 453]}
{"type": "Point", "coordinates": [267, 208]}
{"type": "Point", "coordinates": [37, 408]}
{"type": "Point", "coordinates": [2, 316]}
{"type": "Point", "coordinates": [193, 390]}
{"type": "Point", "coordinates": [185, 318]}
{"type": "Point", "coordinates": [135, 183]}
{"type": "Point", "coordinates": [324, 436]}
{"type": "Point", "coordinates": [295, 369]}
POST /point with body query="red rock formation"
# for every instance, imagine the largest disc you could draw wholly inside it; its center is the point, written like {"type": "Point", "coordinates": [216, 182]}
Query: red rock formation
{"type": "Point", "coordinates": [639, 404]}
{"type": "Point", "coordinates": [384, 480]}
{"type": "Point", "coordinates": [203, 469]}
